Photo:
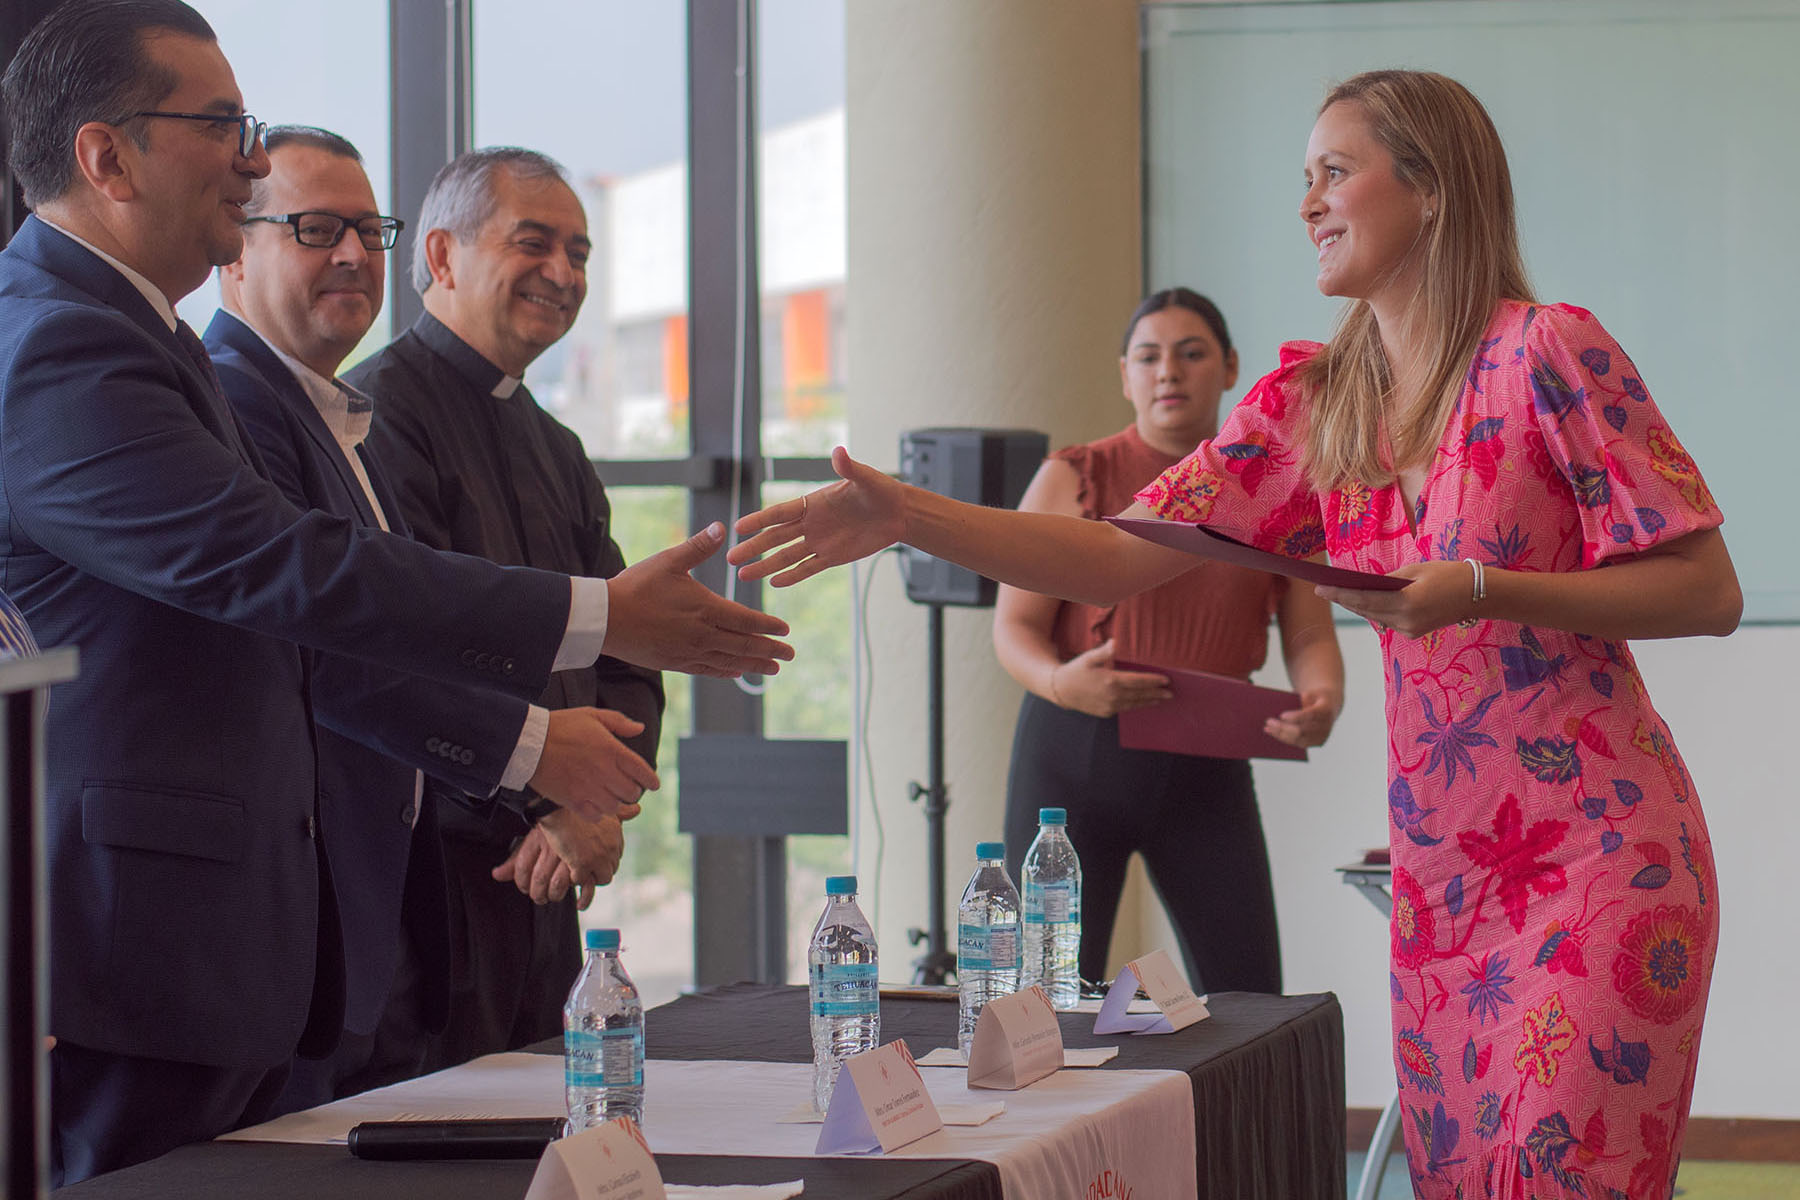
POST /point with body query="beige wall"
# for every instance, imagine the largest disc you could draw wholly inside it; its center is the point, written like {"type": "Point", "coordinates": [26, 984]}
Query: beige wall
{"type": "Point", "coordinates": [994, 247]}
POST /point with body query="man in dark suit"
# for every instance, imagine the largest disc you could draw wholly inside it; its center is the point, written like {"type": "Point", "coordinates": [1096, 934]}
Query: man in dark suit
{"type": "Point", "coordinates": [192, 946]}
{"type": "Point", "coordinates": [300, 298]}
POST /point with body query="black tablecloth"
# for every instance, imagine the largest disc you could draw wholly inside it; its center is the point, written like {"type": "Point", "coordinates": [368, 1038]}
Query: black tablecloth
{"type": "Point", "coordinates": [1267, 1073]}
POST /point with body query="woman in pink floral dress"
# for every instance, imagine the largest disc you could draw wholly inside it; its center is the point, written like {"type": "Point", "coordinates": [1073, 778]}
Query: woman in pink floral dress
{"type": "Point", "coordinates": [1555, 905]}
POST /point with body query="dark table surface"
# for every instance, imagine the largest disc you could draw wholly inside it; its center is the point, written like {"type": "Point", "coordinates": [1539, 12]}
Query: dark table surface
{"type": "Point", "coordinates": [1267, 1073]}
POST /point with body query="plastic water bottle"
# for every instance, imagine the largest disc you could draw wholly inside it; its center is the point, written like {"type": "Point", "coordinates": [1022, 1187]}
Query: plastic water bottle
{"type": "Point", "coordinates": [603, 1039]}
{"type": "Point", "coordinates": [846, 999]}
{"type": "Point", "coordinates": [1051, 876]}
{"type": "Point", "coordinates": [987, 940]}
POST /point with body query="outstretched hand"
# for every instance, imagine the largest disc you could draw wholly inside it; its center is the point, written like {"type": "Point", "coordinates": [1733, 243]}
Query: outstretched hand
{"type": "Point", "coordinates": [865, 511]}
{"type": "Point", "coordinates": [1089, 683]}
{"type": "Point", "coordinates": [659, 616]}
{"type": "Point", "coordinates": [1440, 594]}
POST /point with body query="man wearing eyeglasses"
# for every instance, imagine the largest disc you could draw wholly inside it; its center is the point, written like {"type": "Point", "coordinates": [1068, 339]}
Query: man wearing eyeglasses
{"type": "Point", "coordinates": [193, 943]}
{"type": "Point", "coordinates": [296, 302]}
{"type": "Point", "coordinates": [500, 255]}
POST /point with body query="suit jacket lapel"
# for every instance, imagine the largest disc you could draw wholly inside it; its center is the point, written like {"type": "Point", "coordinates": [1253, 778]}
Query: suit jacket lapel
{"type": "Point", "coordinates": [231, 330]}
{"type": "Point", "coordinates": [79, 267]}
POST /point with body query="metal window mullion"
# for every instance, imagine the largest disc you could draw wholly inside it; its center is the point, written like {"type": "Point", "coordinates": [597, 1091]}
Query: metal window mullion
{"type": "Point", "coordinates": [740, 913]}
{"type": "Point", "coordinates": [431, 105]}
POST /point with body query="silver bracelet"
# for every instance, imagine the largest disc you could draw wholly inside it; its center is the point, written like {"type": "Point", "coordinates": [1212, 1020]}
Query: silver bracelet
{"type": "Point", "coordinates": [1479, 592]}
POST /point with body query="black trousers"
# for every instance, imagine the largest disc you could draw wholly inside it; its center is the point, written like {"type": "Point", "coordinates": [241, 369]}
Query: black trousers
{"type": "Point", "coordinates": [1194, 820]}
{"type": "Point", "coordinates": [512, 962]}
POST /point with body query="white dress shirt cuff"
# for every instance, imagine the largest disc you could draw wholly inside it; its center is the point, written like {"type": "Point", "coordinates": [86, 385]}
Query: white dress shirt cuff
{"type": "Point", "coordinates": [587, 624]}
{"type": "Point", "coordinates": [525, 757]}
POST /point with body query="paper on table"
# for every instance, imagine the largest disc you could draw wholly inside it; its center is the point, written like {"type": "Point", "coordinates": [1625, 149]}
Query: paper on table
{"type": "Point", "coordinates": [1199, 540]}
{"type": "Point", "coordinates": [952, 1114]}
{"type": "Point", "coordinates": [1214, 715]}
{"type": "Point", "coordinates": [1086, 1056]}
{"type": "Point", "coordinates": [735, 1191]}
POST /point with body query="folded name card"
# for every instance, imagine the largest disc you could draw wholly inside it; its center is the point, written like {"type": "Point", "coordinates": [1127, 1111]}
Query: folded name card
{"type": "Point", "coordinates": [1176, 1005]}
{"type": "Point", "coordinates": [879, 1103]}
{"type": "Point", "coordinates": [608, 1162]}
{"type": "Point", "coordinates": [1017, 1041]}
{"type": "Point", "coordinates": [951, 1114]}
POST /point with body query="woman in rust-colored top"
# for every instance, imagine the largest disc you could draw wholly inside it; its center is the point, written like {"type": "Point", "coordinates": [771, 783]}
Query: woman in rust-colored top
{"type": "Point", "coordinates": [1193, 818]}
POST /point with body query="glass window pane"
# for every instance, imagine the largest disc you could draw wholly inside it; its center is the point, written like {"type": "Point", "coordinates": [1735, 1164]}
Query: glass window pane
{"type": "Point", "coordinates": [811, 698]}
{"type": "Point", "coordinates": [651, 899]}
{"type": "Point", "coordinates": [276, 52]}
{"type": "Point", "coordinates": [619, 124]}
{"type": "Point", "coordinates": [801, 224]}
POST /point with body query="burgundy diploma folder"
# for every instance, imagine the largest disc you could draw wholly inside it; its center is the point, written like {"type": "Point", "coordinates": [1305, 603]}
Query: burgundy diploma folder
{"type": "Point", "coordinates": [1209, 714]}
{"type": "Point", "coordinates": [1201, 541]}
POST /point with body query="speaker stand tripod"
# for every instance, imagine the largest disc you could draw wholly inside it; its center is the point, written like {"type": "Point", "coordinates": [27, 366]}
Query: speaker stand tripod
{"type": "Point", "coordinates": [938, 963]}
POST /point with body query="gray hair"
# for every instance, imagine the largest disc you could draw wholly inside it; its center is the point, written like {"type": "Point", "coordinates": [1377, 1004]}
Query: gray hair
{"type": "Point", "coordinates": [278, 136]}
{"type": "Point", "coordinates": [461, 196]}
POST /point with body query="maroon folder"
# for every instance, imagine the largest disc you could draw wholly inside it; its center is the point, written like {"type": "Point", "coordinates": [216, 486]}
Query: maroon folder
{"type": "Point", "coordinates": [1197, 539]}
{"type": "Point", "coordinates": [1209, 714]}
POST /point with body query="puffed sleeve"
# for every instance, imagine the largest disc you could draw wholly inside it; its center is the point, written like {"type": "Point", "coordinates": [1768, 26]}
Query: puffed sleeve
{"type": "Point", "coordinates": [1633, 484]}
{"type": "Point", "coordinates": [1247, 482]}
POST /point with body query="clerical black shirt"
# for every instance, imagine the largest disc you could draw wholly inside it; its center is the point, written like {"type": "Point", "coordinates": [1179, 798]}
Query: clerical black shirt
{"type": "Point", "coordinates": [480, 468]}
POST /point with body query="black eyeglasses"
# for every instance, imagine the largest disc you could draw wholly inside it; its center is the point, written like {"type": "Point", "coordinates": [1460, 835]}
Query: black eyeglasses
{"type": "Point", "coordinates": [323, 230]}
{"type": "Point", "coordinates": [250, 130]}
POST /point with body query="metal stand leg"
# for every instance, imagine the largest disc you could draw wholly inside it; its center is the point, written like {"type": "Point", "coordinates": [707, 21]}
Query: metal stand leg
{"type": "Point", "coordinates": [1387, 1134]}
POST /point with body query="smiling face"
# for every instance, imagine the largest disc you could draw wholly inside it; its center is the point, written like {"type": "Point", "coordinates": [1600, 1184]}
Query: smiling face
{"type": "Point", "coordinates": [514, 288]}
{"type": "Point", "coordinates": [312, 303]}
{"type": "Point", "coordinates": [1369, 227]}
{"type": "Point", "coordinates": [1174, 372]}
{"type": "Point", "coordinates": [189, 184]}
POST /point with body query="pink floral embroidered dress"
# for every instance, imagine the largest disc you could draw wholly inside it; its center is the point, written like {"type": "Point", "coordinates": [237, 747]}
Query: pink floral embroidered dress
{"type": "Point", "coordinates": [1555, 906]}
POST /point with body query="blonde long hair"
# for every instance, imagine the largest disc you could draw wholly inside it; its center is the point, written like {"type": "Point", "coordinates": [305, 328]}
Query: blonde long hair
{"type": "Point", "coordinates": [1443, 144]}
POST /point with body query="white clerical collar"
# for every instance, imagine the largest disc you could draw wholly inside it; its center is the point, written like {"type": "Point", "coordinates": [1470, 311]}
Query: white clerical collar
{"type": "Point", "coordinates": [506, 387]}
{"type": "Point", "coordinates": [151, 292]}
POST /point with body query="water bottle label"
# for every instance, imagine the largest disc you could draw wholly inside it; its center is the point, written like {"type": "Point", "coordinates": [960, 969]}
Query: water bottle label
{"type": "Point", "coordinates": [1052, 903]}
{"type": "Point", "coordinates": [845, 990]}
{"type": "Point", "coordinates": [603, 1058]}
{"type": "Point", "coordinates": [987, 947]}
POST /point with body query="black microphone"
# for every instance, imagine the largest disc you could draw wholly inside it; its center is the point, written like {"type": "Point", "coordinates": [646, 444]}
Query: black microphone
{"type": "Point", "coordinates": [520, 1137]}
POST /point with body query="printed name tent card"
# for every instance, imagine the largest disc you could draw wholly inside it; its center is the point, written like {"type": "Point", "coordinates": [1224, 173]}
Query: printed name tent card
{"type": "Point", "coordinates": [608, 1162]}
{"type": "Point", "coordinates": [879, 1103]}
{"type": "Point", "coordinates": [1017, 1042]}
{"type": "Point", "coordinates": [1177, 1006]}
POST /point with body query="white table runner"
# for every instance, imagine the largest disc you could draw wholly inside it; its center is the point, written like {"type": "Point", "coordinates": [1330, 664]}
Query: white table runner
{"type": "Point", "coordinates": [1077, 1134]}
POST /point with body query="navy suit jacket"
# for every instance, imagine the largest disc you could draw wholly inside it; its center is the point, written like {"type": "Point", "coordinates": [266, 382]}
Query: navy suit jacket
{"type": "Point", "coordinates": [368, 807]}
{"type": "Point", "coordinates": [137, 523]}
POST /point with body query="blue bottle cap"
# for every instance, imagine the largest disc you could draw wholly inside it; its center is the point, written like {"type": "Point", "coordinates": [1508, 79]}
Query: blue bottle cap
{"type": "Point", "coordinates": [602, 939]}
{"type": "Point", "coordinates": [1053, 816]}
{"type": "Point", "coordinates": [990, 849]}
{"type": "Point", "coordinates": [841, 885]}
